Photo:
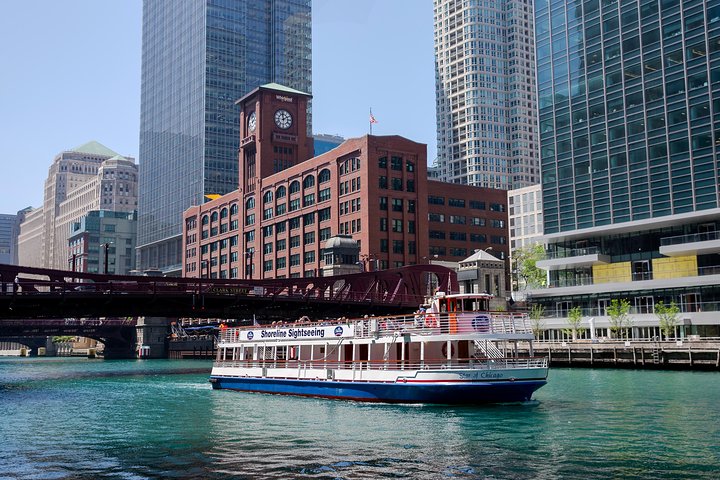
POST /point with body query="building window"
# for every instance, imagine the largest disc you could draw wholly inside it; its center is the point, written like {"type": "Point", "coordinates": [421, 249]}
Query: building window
{"type": "Point", "coordinates": [295, 260]}
{"type": "Point", "coordinates": [456, 202]}
{"type": "Point", "coordinates": [294, 223]}
{"type": "Point", "coordinates": [398, 246]}
{"type": "Point", "coordinates": [458, 219]}
{"type": "Point", "coordinates": [324, 176]}
{"type": "Point", "coordinates": [433, 200]}
{"type": "Point", "coordinates": [382, 162]}
{"type": "Point", "coordinates": [280, 227]}
{"type": "Point", "coordinates": [309, 257]}
{"type": "Point", "coordinates": [268, 197]}
{"type": "Point", "coordinates": [325, 233]}
{"type": "Point", "coordinates": [396, 163]}
{"type": "Point", "coordinates": [397, 184]}
{"type": "Point", "coordinates": [280, 245]}
{"type": "Point", "coordinates": [309, 218]}
{"type": "Point", "coordinates": [295, 241]}
{"type": "Point", "coordinates": [250, 219]}
{"type": "Point", "coordinates": [477, 205]}
{"type": "Point", "coordinates": [281, 262]}
{"type": "Point", "coordinates": [309, 200]}
{"type": "Point", "coordinates": [280, 209]}
{"type": "Point", "coordinates": [324, 214]}
{"type": "Point", "coordinates": [309, 238]}
{"type": "Point", "coordinates": [383, 224]}
{"type": "Point", "coordinates": [383, 245]}
{"type": "Point", "coordinates": [324, 195]}
{"type": "Point", "coordinates": [267, 248]}
{"type": "Point", "coordinates": [411, 226]}
{"type": "Point", "coordinates": [294, 205]}
{"type": "Point", "coordinates": [267, 265]}
{"type": "Point", "coordinates": [436, 217]}
{"type": "Point", "coordinates": [397, 205]}
{"type": "Point", "coordinates": [397, 225]}
{"type": "Point", "coordinates": [280, 192]}
{"type": "Point", "coordinates": [382, 182]}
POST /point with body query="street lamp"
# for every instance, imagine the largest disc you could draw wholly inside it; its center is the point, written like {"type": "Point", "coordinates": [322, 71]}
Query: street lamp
{"type": "Point", "coordinates": [106, 246]}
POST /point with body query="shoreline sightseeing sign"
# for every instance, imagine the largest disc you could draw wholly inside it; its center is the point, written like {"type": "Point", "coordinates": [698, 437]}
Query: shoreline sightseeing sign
{"type": "Point", "coordinates": [296, 333]}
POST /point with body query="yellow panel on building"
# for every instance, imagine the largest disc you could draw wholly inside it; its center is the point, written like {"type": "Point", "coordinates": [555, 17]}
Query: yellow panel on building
{"type": "Point", "coordinates": [675, 267]}
{"type": "Point", "coordinates": [613, 272]}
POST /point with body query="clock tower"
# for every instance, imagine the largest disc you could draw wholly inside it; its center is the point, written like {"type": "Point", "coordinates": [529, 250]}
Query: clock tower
{"type": "Point", "coordinates": [273, 134]}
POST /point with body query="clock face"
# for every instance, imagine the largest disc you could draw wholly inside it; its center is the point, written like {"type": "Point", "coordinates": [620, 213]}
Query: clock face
{"type": "Point", "coordinates": [252, 122]}
{"type": "Point", "coordinates": [283, 119]}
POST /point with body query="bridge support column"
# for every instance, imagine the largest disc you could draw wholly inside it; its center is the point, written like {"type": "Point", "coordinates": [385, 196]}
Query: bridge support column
{"type": "Point", "coordinates": [152, 335]}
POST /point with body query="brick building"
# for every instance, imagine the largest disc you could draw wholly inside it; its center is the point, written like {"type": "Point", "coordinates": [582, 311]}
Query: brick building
{"type": "Point", "coordinates": [290, 203]}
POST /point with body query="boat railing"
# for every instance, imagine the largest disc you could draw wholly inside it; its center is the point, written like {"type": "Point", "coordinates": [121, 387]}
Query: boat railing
{"type": "Point", "coordinates": [443, 323]}
{"type": "Point", "coordinates": [435, 364]}
{"type": "Point", "coordinates": [427, 323]}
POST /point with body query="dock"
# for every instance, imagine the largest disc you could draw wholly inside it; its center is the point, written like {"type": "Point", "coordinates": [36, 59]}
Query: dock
{"type": "Point", "coordinates": [665, 355]}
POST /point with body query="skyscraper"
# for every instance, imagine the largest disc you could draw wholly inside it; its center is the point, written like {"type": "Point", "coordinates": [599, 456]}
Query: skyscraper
{"type": "Point", "coordinates": [199, 57]}
{"type": "Point", "coordinates": [629, 98]}
{"type": "Point", "coordinates": [485, 93]}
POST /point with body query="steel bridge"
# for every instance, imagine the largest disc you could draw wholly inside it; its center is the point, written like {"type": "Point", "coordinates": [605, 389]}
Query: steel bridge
{"type": "Point", "coordinates": [37, 293]}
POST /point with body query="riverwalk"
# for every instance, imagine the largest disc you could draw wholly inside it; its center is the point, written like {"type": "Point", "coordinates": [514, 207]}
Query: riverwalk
{"type": "Point", "coordinates": [677, 354]}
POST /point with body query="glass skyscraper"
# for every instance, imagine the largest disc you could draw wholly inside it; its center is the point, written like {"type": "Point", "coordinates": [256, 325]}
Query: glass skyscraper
{"type": "Point", "coordinates": [485, 93]}
{"type": "Point", "coordinates": [629, 98]}
{"type": "Point", "coordinates": [198, 57]}
{"type": "Point", "coordinates": [629, 119]}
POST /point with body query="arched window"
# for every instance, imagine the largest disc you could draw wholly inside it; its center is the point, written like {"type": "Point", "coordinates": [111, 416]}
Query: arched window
{"type": "Point", "coordinates": [214, 217]}
{"type": "Point", "coordinates": [308, 182]}
{"type": "Point", "coordinates": [280, 192]}
{"type": "Point", "coordinates": [268, 196]}
{"type": "Point", "coordinates": [205, 220]}
{"type": "Point", "coordinates": [324, 176]}
{"type": "Point", "coordinates": [250, 204]}
{"type": "Point", "coordinates": [295, 187]}
{"type": "Point", "coordinates": [233, 209]}
{"type": "Point", "coordinates": [224, 213]}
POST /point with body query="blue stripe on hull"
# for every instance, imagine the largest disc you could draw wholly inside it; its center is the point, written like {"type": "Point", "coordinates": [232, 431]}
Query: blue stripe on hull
{"type": "Point", "coordinates": [452, 394]}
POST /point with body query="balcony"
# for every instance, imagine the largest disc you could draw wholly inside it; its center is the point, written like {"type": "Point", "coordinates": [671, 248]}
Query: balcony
{"type": "Point", "coordinates": [694, 244]}
{"type": "Point", "coordinates": [578, 257]}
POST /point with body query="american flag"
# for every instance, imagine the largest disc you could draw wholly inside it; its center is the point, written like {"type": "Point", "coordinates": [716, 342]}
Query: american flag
{"type": "Point", "coordinates": [372, 118]}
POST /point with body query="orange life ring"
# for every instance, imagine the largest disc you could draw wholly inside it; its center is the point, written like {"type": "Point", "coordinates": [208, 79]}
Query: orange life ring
{"type": "Point", "coordinates": [431, 321]}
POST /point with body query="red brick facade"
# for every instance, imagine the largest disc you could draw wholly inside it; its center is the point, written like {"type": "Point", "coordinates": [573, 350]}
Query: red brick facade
{"type": "Point", "coordinates": [373, 188]}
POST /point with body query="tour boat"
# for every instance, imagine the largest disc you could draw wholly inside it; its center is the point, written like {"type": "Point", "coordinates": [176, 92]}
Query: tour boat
{"type": "Point", "coordinates": [453, 352]}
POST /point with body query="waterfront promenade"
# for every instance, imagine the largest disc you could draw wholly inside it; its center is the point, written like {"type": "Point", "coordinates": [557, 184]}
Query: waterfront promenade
{"type": "Point", "coordinates": [696, 354]}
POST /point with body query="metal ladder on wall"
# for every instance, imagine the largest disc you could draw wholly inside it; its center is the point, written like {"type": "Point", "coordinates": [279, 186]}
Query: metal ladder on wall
{"type": "Point", "coordinates": [488, 349]}
{"type": "Point", "coordinates": [656, 352]}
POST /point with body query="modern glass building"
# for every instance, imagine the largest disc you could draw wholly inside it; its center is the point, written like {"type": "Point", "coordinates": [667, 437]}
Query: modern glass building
{"type": "Point", "coordinates": [485, 93]}
{"type": "Point", "coordinates": [629, 119]}
{"type": "Point", "coordinates": [198, 58]}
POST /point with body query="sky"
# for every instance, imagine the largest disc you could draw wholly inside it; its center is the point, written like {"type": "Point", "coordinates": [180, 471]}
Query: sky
{"type": "Point", "coordinates": [71, 74]}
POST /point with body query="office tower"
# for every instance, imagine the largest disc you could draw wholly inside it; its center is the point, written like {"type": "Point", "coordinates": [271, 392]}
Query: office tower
{"type": "Point", "coordinates": [89, 177]}
{"type": "Point", "coordinates": [629, 98]}
{"type": "Point", "coordinates": [198, 58]}
{"type": "Point", "coordinates": [8, 238]}
{"type": "Point", "coordinates": [485, 93]}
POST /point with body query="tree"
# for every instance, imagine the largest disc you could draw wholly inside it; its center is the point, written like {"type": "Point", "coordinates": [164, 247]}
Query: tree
{"type": "Point", "coordinates": [525, 260]}
{"type": "Point", "coordinates": [537, 312]}
{"type": "Point", "coordinates": [619, 318]}
{"type": "Point", "coordinates": [668, 315]}
{"type": "Point", "coordinates": [574, 319]}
